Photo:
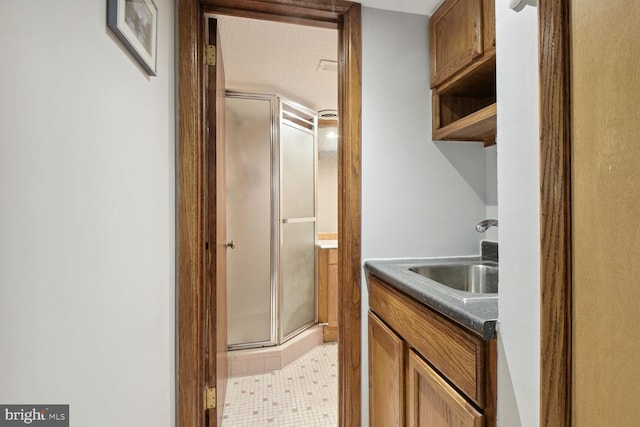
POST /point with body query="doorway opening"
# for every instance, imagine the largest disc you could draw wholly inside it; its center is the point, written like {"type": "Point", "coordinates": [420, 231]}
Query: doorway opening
{"type": "Point", "coordinates": [278, 199]}
{"type": "Point", "coordinates": [193, 199]}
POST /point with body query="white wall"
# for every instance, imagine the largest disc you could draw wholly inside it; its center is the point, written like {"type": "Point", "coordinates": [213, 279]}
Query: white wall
{"type": "Point", "coordinates": [423, 7]}
{"type": "Point", "coordinates": [86, 216]}
{"type": "Point", "coordinates": [491, 157]}
{"type": "Point", "coordinates": [327, 191]}
{"type": "Point", "coordinates": [518, 195]}
{"type": "Point", "coordinates": [419, 198]}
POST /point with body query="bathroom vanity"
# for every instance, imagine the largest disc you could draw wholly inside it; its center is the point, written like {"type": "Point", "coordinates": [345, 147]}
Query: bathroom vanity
{"type": "Point", "coordinates": [328, 289]}
{"type": "Point", "coordinates": [432, 348]}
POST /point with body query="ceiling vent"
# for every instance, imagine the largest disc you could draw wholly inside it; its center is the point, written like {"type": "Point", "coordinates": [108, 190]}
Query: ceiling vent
{"type": "Point", "coordinates": [327, 115]}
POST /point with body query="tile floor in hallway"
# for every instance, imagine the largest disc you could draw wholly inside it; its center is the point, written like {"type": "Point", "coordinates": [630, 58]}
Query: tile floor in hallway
{"type": "Point", "coordinates": [303, 394]}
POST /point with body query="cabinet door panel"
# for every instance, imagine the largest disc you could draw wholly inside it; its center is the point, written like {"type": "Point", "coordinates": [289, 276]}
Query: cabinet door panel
{"type": "Point", "coordinates": [323, 285]}
{"type": "Point", "coordinates": [456, 34]}
{"type": "Point", "coordinates": [386, 375]}
{"type": "Point", "coordinates": [332, 290]}
{"type": "Point", "coordinates": [432, 402]}
{"type": "Point", "coordinates": [489, 26]}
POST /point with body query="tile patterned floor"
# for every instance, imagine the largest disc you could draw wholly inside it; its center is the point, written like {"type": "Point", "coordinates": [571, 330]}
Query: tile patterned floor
{"type": "Point", "coordinates": [303, 394]}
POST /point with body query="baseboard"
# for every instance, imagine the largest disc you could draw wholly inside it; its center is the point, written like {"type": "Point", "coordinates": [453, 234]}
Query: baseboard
{"type": "Point", "coordinates": [330, 333]}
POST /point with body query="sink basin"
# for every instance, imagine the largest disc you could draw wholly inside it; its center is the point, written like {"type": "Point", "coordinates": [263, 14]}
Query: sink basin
{"type": "Point", "coordinates": [479, 278]}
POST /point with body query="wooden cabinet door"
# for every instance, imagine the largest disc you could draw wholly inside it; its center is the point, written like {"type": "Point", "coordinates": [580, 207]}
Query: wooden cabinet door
{"type": "Point", "coordinates": [432, 402]}
{"type": "Point", "coordinates": [323, 272]}
{"type": "Point", "coordinates": [332, 288]}
{"type": "Point", "coordinates": [489, 26]}
{"type": "Point", "coordinates": [456, 37]}
{"type": "Point", "coordinates": [328, 293]}
{"type": "Point", "coordinates": [386, 375]}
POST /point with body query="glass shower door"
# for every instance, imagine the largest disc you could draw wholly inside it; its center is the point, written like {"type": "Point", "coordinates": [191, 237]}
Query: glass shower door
{"type": "Point", "coordinates": [251, 282]}
{"type": "Point", "coordinates": [298, 219]}
{"type": "Point", "coordinates": [271, 217]}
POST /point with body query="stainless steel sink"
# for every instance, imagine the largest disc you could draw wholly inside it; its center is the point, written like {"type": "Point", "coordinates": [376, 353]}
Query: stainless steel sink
{"type": "Point", "coordinates": [480, 277]}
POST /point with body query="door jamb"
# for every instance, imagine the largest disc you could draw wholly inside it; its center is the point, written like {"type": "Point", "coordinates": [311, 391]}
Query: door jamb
{"type": "Point", "coordinates": [191, 202]}
{"type": "Point", "coordinates": [555, 213]}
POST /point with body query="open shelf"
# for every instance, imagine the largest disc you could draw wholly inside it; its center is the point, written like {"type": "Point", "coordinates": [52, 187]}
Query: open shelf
{"type": "Point", "coordinates": [464, 107]}
{"type": "Point", "coordinates": [477, 126]}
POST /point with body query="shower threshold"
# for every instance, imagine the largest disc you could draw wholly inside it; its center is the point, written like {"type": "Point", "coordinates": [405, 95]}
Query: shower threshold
{"type": "Point", "coordinates": [267, 359]}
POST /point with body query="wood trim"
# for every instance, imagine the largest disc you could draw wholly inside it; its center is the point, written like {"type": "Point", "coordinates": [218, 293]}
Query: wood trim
{"type": "Point", "coordinates": [555, 213]}
{"type": "Point", "coordinates": [314, 9]}
{"type": "Point", "coordinates": [191, 265]}
{"type": "Point", "coordinates": [349, 217]}
{"type": "Point", "coordinates": [217, 368]}
{"type": "Point", "coordinates": [322, 13]}
{"type": "Point", "coordinates": [191, 231]}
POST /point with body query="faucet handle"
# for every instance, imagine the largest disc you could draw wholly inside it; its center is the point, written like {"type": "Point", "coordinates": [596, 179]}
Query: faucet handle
{"type": "Point", "coordinates": [482, 226]}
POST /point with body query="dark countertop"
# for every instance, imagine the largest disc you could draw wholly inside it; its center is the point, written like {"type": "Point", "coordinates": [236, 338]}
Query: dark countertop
{"type": "Point", "coordinates": [479, 314]}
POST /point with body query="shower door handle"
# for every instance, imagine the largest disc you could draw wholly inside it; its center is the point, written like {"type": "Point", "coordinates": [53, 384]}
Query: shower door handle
{"type": "Point", "coordinates": [230, 244]}
{"type": "Point", "coordinates": [298, 220]}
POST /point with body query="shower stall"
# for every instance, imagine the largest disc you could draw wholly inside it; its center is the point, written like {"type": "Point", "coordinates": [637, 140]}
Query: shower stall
{"type": "Point", "coordinates": [271, 219]}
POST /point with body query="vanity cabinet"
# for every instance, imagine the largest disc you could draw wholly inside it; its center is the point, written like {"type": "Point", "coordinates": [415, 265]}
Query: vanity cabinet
{"type": "Point", "coordinates": [431, 401]}
{"type": "Point", "coordinates": [386, 375]}
{"type": "Point", "coordinates": [424, 369]}
{"type": "Point", "coordinates": [463, 71]}
{"type": "Point", "coordinates": [328, 292]}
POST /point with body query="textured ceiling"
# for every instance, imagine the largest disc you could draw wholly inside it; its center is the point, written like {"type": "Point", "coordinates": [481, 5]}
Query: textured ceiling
{"type": "Point", "coordinates": [263, 56]}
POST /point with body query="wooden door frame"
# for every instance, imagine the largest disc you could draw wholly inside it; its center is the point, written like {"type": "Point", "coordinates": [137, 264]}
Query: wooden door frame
{"type": "Point", "coordinates": [555, 213]}
{"type": "Point", "coordinates": [191, 195]}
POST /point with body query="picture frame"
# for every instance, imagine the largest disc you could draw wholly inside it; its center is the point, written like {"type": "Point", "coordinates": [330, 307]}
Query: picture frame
{"type": "Point", "coordinates": [135, 24]}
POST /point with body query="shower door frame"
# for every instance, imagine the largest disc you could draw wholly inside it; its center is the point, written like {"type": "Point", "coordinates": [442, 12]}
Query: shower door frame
{"type": "Point", "coordinates": [282, 337]}
{"type": "Point", "coordinates": [274, 146]}
{"type": "Point", "coordinates": [277, 117]}
{"type": "Point", "coordinates": [191, 201]}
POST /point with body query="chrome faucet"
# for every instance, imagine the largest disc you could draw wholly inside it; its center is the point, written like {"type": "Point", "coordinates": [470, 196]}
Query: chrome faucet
{"type": "Point", "coordinates": [484, 225]}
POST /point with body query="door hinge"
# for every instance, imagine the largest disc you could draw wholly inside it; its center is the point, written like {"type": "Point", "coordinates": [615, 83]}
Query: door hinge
{"type": "Point", "coordinates": [209, 398]}
{"type": "Point", "coordinates": [211, 55]}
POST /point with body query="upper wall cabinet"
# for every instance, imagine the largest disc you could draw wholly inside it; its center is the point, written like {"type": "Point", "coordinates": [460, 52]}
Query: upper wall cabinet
{"type": "Point", "coordinates": [463, 71]}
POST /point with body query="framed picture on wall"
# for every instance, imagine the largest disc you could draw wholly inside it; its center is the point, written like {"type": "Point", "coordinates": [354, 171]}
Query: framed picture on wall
{"type": "Point", "coordinates": [135, 23]}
